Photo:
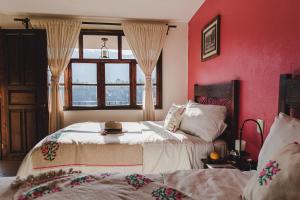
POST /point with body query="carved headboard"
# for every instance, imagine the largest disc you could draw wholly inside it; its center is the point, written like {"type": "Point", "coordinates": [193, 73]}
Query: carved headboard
{"type": "Point", "coordinates": [226, 94]}
{"type": "Point", "coordinates": [289, 95]}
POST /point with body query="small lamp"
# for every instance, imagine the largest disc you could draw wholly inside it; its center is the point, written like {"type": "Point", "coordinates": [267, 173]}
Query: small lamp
{"type": "Point", "coordinates": [241, 133]}
{"type": "Point", "coordinates": [104, 49]}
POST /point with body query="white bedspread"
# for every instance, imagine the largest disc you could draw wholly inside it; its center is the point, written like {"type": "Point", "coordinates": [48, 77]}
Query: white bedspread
{"type": "Point", "coordinates": [162, 151]}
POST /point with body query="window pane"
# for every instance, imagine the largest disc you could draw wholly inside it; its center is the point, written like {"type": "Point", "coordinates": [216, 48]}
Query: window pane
{"type": "Point", "coordinates": [139, 94]}
{"type": "Point", "coordinates": [117, 73]}
{"type": "Point", "coordinates": [140, 77]}
{"type": "Point", "coordinates": [83, 95]}
{"type": "Point", "coordinates": [76, 51]}
{"type": "Point", "coordinates": [92, 46]}
{"type": "Point", "coordinates": [117, 95]}
{"type": "Point", "coordinates": [126, 51]}
{"type": "Point", "coordinates": [84, 73]}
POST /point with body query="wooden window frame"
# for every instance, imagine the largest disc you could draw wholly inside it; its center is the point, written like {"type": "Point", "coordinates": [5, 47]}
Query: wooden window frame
{"type": "Point", "coordinates": [101, 76]}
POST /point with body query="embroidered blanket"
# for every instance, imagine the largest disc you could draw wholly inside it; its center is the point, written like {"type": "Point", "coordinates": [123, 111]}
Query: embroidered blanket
{"type": "Point", "coordinates": [203, 184]}
{"type": "Point", "coordinates": [104, 186]}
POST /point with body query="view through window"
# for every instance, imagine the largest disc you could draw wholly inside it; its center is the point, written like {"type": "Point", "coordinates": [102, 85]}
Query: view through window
{"type": "Point", "coordinates": [113, 83]}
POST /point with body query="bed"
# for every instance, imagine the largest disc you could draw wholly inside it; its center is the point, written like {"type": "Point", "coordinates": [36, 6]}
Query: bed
{"type": "Point", "coordinates": [217, 184]}
{"type": "Point", "coordinates": [145, 147]}
{"type": "Point", "coordinates": [179, 185]}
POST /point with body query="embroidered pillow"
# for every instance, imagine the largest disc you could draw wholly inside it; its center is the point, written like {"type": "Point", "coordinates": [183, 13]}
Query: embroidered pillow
{"type": "Point", "coordinates": [174, 117]}
{"type": "Point", "coordinates": [204, 121]}
{"type": "Point", "coordinates": [279, 177]}
{"type": "Point", "coordinates": [284, 130]}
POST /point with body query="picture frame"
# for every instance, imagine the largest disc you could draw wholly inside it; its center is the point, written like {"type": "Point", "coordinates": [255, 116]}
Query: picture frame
{"type": "Point", "coordinates": [210, 44]}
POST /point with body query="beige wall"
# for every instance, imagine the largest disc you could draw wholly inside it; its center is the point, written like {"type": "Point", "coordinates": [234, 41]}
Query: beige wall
{"type": "Point", "coordinates": [174, 83]}
{"type": "Point", "coordinates": [174, 79]}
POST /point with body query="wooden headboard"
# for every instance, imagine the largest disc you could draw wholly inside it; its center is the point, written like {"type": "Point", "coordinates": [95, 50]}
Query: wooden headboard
{"type": "Point", "coordinates": [226, 94]}
{"type": "Point", "coordinates": [289, 95]}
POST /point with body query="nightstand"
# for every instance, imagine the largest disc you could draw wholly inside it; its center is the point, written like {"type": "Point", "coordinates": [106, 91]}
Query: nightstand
{"type": "Point", "coordinates": [241, 164]}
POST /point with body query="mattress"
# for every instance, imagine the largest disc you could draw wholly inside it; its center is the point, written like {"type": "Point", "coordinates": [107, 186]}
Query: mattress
{"type": "Point", "coordinates": [144, 147]}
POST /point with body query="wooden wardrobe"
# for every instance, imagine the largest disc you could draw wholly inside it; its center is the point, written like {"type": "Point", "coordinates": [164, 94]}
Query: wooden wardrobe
{"type": "Point", "coordinates": [23, 91]}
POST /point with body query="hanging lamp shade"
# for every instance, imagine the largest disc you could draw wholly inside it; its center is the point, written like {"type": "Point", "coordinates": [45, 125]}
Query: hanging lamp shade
{"type": "Point", "coordinates": [104, 49]}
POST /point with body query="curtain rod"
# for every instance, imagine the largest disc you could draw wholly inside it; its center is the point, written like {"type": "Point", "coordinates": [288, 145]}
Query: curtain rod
{"type": "Point", "coordinates": [118, 24]}
{"type": "Point", "coordinates": [26, 21]}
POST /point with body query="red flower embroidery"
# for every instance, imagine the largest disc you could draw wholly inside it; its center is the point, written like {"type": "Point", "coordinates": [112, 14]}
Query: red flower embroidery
{"type": "Point", "coordinates": [270, 169]}
{"type": "Point", "coordinates": [137, 180]}
{"type": "Point", "coordinates": [262, 173]}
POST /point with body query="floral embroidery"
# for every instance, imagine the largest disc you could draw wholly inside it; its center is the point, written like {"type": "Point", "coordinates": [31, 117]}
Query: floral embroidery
{"type": "Point", "coordinates": [81, 180]}
{"type": "Point", "coordinates": [270, 169]}
{"type": "Point", "coordinates": [53, 187]}
{"type": "Point", "coordinates": [137, 180]}
{"type": "Point", "coordinates": [40, 191]}
{"type": "Point", "coordinates": [163, 193]}
{"type": "Point", "coordinates": [49, 149]}
{"type": "Point", "coordinates": [50, 146]}
{"type": "Point", "coordinates": [42, 178]}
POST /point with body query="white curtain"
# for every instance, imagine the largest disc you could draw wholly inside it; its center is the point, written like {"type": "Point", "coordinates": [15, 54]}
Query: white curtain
{"type": "Point", "coordinates": [146, 40]}
{"type": "Point", "coordinates": [62, 36]}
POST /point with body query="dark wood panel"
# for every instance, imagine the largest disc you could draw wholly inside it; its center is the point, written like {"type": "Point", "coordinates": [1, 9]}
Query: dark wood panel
{"type": "Point", "coordinates": [30, 129]}
{"type": "Point", "coordinates": [2, 95]}
{"type": "Point", "coordinates": [289, 95]}
{"type": "Point", "coordinates": [29, 52]}
{"type": "Point", "coordinates": [12, 45]}
{"type": "Point", "coordinates": [16, 131]}
{"type": "Point", "coordinates": [22, 98]}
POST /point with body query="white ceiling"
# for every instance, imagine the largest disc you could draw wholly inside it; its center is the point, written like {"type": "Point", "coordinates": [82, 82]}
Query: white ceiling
{"type": "Point", "coordinates": [171, 10]}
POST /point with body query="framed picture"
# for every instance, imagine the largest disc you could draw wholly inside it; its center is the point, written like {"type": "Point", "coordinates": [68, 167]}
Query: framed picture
{"type": "Point", "coordinates": [211, 39]}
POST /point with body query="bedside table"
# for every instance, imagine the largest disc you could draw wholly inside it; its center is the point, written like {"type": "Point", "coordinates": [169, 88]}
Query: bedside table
{"type": "Point", "coordinates": [241, 164]}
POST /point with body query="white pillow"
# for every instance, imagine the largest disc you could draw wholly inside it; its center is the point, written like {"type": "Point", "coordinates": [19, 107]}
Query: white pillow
{"type": "Point", "coordinates": [284, 130]}
{"type": "Point", "coordinates": [205, 121]}
{"type": "Point", "coordinates": [174, 117]}
{"type": "Point", "coordinates": [279, 178]}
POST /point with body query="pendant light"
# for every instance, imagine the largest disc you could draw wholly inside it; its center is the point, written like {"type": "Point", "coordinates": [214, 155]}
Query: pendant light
{"type": "Point", "coordinates": [104, 49]}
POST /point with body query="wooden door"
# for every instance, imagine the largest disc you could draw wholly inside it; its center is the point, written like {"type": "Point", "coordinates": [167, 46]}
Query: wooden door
{"type": "Point", "coordinates": [24, 91]}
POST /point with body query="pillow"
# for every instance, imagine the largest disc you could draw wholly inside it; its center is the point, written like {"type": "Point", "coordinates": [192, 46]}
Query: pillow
{"type": "Point", "coordinates": [284, 130]}
{"type": "Point", "coordinates": [174, 117]}
{"type": "Point", "coordinates": [279, 177]}
{"type": "Point", "coordinates": [205, 121]}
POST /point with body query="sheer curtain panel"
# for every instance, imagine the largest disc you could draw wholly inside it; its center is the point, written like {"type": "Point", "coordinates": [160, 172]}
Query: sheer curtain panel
{"type": "Point", "coordinates": [62, 36]}
{"type": "Point", "coordinates": [146, 40]}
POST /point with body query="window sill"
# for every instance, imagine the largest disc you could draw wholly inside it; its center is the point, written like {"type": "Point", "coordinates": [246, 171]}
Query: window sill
{"type": "Point", "coordinates": [108, 108]}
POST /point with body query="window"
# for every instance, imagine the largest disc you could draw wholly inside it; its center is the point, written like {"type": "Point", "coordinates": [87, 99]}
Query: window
{"type": "Point", "coordinates": [113, 83]}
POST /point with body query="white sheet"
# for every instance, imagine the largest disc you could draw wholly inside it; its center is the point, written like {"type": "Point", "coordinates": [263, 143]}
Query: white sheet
{"type": "Point", "coordinates": [163, 151]}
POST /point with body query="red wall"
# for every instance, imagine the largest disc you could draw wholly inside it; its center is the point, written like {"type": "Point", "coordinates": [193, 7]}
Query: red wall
{"type": "Point", "coordinates": [260, 39]}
